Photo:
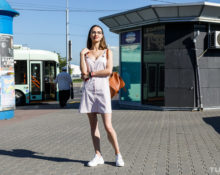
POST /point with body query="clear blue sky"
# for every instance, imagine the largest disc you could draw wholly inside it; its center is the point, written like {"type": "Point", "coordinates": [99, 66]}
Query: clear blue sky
{"type": "Point", "coordinates": [38, 28]}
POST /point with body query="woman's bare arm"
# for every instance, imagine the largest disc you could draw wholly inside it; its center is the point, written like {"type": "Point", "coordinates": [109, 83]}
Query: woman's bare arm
{"type": "Point", "coordinates": [83, 66]}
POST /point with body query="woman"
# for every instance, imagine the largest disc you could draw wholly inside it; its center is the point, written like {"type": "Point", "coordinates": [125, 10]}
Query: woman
{"type": "Point", "coordinates": [96, 66]}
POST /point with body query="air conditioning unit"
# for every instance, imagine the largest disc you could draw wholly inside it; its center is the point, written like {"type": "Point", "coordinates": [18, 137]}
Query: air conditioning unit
{"type": "Point", "coordinates": [215, 40]}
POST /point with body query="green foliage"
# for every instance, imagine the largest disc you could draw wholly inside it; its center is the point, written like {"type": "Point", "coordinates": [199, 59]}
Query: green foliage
{"type": "Point", "coordinates": [62, 63]}
{"type": "Point", "coordinates": [77, 80]}
{"type": "Point", "coordinates": [116, 69]}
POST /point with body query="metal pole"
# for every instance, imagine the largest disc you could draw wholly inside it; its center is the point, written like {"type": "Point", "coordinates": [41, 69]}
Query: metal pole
{"type": "Point", "coordinates": [67, 35]}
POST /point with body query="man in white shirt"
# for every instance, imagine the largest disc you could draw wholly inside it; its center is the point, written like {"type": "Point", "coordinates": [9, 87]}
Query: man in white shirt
{"type": "Point", "coordinates": [64, 84]}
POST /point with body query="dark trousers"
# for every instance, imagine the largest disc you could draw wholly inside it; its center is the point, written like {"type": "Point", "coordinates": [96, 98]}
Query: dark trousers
{"type": "Point", "coordinates": [64, 97]}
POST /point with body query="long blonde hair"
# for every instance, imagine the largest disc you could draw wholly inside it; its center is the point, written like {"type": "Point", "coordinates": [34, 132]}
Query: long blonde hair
{"type": "Point", "coordinates": [102, 44]}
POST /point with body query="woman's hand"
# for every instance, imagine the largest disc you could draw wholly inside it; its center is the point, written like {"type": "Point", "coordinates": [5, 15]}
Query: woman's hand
{"type": "Point", "coordinates": [84, 51]}
{"type": "Point", "coordinates": [85, 77]}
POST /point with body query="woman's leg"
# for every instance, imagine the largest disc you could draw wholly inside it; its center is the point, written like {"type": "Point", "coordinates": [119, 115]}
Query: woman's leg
{"type": "Point", "coordinates": [93, 120]}
{"type": "Point", "coordinates": [112, 137]}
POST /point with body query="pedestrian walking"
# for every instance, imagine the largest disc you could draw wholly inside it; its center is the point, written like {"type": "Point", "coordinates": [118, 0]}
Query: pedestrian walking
{"type": "Point", "coordinates": [96, 67]}
{"type": "Point", "coordinates": [64, 84]}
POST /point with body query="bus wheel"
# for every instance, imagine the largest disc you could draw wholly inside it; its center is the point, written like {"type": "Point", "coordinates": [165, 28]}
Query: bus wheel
{"type": "Point", "coordinates": [20, 98]}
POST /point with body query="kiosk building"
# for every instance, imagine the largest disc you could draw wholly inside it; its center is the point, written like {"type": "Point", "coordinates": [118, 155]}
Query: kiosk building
{"type": "Point", "coordinates": [169, 55]}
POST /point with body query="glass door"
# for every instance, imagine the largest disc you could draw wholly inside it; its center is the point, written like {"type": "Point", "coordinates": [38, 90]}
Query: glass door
{"type": "Point", "coordinates": [153, 61]}
{"type": "Point", "coordinates": [161, 80]}
{"type": "Point", "coordinates": [49, 69]}
{"type": "Point", "coordinates": [36, 80]}
{"type": "Point", "coordinates": [153, 84]}
{"type": "Point", "coordinates": [152, 80]}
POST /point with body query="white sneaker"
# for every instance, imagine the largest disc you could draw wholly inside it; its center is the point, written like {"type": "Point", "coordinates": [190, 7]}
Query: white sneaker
{"type": "Point", "coordinates": [97, 160]}
{"type": "Point", "coordinates": [119, 160]}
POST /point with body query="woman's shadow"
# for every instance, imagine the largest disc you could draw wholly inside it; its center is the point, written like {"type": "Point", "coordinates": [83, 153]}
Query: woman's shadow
{"type": "Point", "coordinates": [22, 153]}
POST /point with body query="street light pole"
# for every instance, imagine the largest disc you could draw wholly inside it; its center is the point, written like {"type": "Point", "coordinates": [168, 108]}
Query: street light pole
{"type": "Point", "coordinates": [67, 35]}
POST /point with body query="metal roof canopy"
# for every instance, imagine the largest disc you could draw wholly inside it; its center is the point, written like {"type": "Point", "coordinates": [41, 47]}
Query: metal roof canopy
{"type": "Point", "coordinates": [181, 12]}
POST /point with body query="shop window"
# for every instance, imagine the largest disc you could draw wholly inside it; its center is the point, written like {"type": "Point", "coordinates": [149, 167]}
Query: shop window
{"type": "Point", "coordinates": [130, 48]}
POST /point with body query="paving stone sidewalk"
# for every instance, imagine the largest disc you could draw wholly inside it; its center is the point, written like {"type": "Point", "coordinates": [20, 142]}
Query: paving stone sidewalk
{"type": "Point", "coordinates": [152, 143]}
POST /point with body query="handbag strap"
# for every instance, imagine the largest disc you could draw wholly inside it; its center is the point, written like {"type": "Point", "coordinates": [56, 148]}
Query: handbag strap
{"type": "Point", "coordinates": [121, 80]}
{"type": "Point", "coordinates": [107, 53]}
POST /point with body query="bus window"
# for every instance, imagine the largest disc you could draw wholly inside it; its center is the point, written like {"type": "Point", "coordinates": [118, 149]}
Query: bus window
{"type": "Point", "coordinates": [20, 72]}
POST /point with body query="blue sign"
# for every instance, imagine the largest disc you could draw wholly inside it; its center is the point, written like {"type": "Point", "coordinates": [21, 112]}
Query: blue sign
{"type": "Point", "coordinates": [133, 37]}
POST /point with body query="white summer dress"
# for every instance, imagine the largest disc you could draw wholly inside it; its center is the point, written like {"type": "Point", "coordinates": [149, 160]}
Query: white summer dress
{"type": "Point", "coordinates": [95, 92]}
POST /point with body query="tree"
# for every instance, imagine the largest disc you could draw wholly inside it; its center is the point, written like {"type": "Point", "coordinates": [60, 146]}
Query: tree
{"type": "Point", "coordinates": [116, 69]}
{"type": "Point", "coordinates": [62, 63]}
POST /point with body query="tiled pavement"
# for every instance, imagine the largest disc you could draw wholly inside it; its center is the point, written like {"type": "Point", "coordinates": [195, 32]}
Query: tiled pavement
{"type": "Point", "coordinates": [50, 141]}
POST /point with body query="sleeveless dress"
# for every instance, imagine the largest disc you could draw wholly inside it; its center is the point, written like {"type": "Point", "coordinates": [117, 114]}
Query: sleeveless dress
{"type": "Point", "coordinates": [95, 92]}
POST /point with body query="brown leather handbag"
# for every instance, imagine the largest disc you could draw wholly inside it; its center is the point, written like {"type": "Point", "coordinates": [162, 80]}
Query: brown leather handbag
{"type": "Point", "coordinates": [115, 84]}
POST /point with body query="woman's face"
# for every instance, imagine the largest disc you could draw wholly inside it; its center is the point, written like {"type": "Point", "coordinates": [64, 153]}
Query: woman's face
{"type": "Point", "coordinates": [96, 34]}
